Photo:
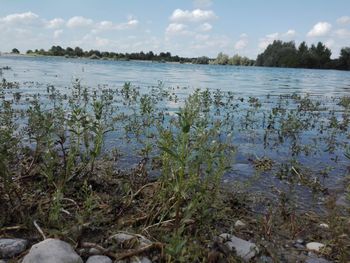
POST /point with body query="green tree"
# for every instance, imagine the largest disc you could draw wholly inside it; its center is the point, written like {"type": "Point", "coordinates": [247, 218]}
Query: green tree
{"type": "Point", "coordinates": [15, 51]}
{"type": "Point", "coordinates": [344, 59]}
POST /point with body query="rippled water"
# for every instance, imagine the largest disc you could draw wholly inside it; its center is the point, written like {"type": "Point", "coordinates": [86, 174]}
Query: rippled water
{"type": "Point", "coordinates": [245, 81]}
{"type": "Point", "coordinates": [265, 83]}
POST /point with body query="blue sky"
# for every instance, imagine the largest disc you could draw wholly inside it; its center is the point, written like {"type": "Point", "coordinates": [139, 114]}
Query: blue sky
{"type": "Point", "coordinates": [183, 27]}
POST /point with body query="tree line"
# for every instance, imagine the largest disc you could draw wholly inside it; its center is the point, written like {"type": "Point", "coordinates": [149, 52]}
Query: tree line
{"type": "Point", "coordinates": [277, 54]}
{"type": "Point", "coordinates": [286, 54]}
{"type": "Point", "coordinates": [96, 54]}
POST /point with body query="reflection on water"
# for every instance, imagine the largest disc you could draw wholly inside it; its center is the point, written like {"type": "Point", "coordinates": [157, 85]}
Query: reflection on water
{"type": "Point", "coordinates": [245, 81]}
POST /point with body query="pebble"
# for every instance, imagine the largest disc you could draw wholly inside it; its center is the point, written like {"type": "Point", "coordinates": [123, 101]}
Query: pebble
{"type": "Point", "coordinates": [239, 223]}
{"type": "Point", "coordinates": [125, 239]}
{"type": "Point", "coordinates": [94, 251]}
{"type": "Point", "coordinates": [342, 201]}
{"type": "Point", "coordinates": [314, 246]}
{"type": "Point", "coordinates": [323, 225]}
{"type": "Point", "coordinates": [316, 260]}
{"type": "Point", "coordinates": [99, 259]}
{"type": "Point", "coordinates": [300, 241]}
{"type": "Point", "coordinates": [140, 260]}
{"type": "Point", "coordinates": [52, 251]}
{"type": "Point", "coordinates": [10, 248]}
{"type": "Point", "coordinates": [244, 249]}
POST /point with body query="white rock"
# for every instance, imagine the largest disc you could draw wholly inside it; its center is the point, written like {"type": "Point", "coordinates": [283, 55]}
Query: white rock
{"type": "Point", "coordinates": [99, 259]}
{"type": "Point", "coordinates": [323, 225]}
{"type": "Point", "coordinates": [239, 223]}
{"type": "Point", "coordinates": [243, 248]}
{"type": "Point", "coordinates": [11, 247]}
{"type": "Point", "coordinates": [314, 246]}
{"type": "Point", "coordinates": [52, 251]}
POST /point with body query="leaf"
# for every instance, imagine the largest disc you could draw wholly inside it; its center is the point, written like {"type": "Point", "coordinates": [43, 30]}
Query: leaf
{"type": "Point", "coordinates": [169, 151]}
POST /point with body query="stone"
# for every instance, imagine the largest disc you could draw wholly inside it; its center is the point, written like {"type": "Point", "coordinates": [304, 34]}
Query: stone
{"type": "Point", "coordinates": [265, 259]}
{"type": "Point", "coordinates": [239, 223]}
{"type": "Point", "coordinates": [99, 259]}
{"type": "Point", "coordinates": [120, 238]}
{"type": "Point", "coordinates": [324, 225]}
{"type": "Point", "coordinates": [126, 240]}
{"type": "Point", "coordinates": [316, 260]}
{"type": "Point", "coordinates": [140, 260]}
{"type": "Point", "coordinates": [11, 247]}
{"type": "Point", "coordinates": [314, 246]}
{"type": "Point", "coordinates": [342, 201]}
{"type": "Point", "coordinates": [243, 248]}
{"type": "Point", "coordinates": [52, 251]}
{"type": "Point", "coordinates": [300, 241]}
{"type": "Point", "coordinates": [94, 251]}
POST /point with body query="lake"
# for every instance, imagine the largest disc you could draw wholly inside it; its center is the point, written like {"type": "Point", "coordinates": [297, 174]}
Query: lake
{"type": "Point", "coordinates": [246, 81]}
{"type": "Point", "coordinates": [254, 98]}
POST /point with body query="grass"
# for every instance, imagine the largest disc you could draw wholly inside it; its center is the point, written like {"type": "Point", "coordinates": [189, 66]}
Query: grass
{"type": "Point", "coordinates": [86, 163]}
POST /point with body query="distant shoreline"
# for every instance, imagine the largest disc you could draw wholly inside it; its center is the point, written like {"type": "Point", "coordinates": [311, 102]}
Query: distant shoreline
{"type": "Point", "coordinates": [87, 58]}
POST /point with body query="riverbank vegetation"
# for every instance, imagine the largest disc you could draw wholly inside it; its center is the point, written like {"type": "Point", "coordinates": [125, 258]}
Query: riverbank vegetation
{"type": "Point", "coordinates": [82, 164]}
{"type": "Point", "coordinates": [277, 54]}
{"type": "Point", "coordinates": [285, 54]}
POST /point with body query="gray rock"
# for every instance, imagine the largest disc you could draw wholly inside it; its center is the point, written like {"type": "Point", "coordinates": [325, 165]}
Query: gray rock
{"type": "Point", "coordinates": [243, 248]}
{"type": "Point", "coordinates": [317, 260]}
{"type": "Point", "coordinates": [99, 259]}
{"type": "Point", "coordinates": [140, 260]}
{"type": "Point", "coordinates": [342, 201]}
{"type": "Point", "coordinates": [125, 239]}
{"type": "Point", "coordinates": [10, 248]}
{"type": "Point", "coordinates": [2, 261]}
{"type": "Point", "coordinates": [265, 259]}
{"type": "Point", "coordinates": [94, 251]}
{"type": "Point", "coordinates": [52, 251]}
{"type": "Point", "coordinates": [120, 238]}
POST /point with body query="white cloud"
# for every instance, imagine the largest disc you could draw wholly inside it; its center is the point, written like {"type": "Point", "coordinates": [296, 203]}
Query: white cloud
{"type": "Point", "coordinates": [202, 37]}
{"type": "Point", "coordinates": [196, 15]}
{"type": "Point", "coordinates": [79, 21]}
{"type": "Point", "coordinates": [102, 42]}
{"type": "Point", "coordinates": [108, 25]}
{"type": "Point", "coordinates": [202, 3]}
{"type": "Point", "coordinates": [105, 25]}
{"type": "Point", "coordinates": [21, 18]}
{"type": "Point", "coordinates": [55, 23]}
{"type": "Point", "coordinates": [205, 27]}
{"type": "Point", "coordinates": [343, 33]}
{"type": "Point", "coordinates": [267, 40]}
{"type": "Point", "coordinates": [330, 43]}
{"type": "Point", "coordinates": [320, 29]}
{"type": "Point", "coordinates": [132, 23]}
{"type": "Point", "coordinates": [242, 42]}
{"type": "Point", "coordinates": [175, 29]}
{"type": "Point", "coordinates": [344, 20]}
{"type": "Point", "coordinates": [57, 33]}
{"type": "Point", "coordinates": [290, 33]}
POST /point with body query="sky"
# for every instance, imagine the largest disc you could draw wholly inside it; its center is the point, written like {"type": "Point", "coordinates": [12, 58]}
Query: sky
{"type": "Point", "coordinates": [183, 27]}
